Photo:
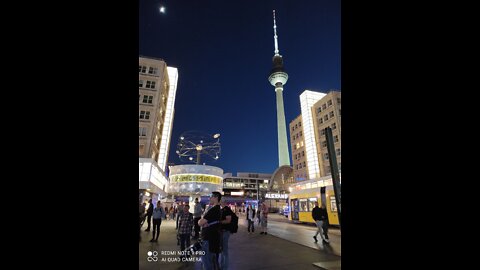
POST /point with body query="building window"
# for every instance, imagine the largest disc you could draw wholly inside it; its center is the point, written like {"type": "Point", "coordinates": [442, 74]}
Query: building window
{"type": "Point", "coordinates": [320, 120]}
{"type": "Point", "coordinates": [144, 115]}
{"type": "Point", "coordinates": [301, 143]}
{"type": "Point", "coordinates": [335, 138]}
{"type": "Point", "coordinates": [329, 103]}
{"type": "Point", "coordinates": [140, 83]}
{"type": "Point", "coordinates": [334, 126]}
{"type": "Point", "coordinates": [293, 129]}
{"type": "Point", "coordinates": [331, 114]}
{"type": "Point", "coordinates": [338, 100]}
{"type": "Point", "coordinates": [153, 70]}
{"type": "Point", "coordinates": [141, 149]}
{"type": "Point", "coordinates": [142, 69]}
{"type": "Point", "coordinates": [150, 84]}
{"type": "Point", "coordinates": [322, 131]}
{"type": "Point", "coordinates": [338, 152]}
{"type": "Point", "coordinates": [324, 106]}
{"type": "Point", "coordinates": [325, 156]}
{"type": "Point", "coordinates": [325, 117]}
{"type": "Point", "coordinates": [299, 124]}
{"type": "Point", "coordinates": [298, 145]}
{"type": "Point", "coordinates": [300, 133]}
{"type": "Point", "coordinates": [142, 131]}
{"type": "Point", "coordinates": [319, 110]}
{"type": "Point", "coordinates": [339, 112]}
{"type": "Point", "coordinates": [147, 99]}
{"type": "Point", "coordinates": [304, 164]}
{"type": "Point", "coordinates": [303, 153]}
{"type": "Point", "coordinates": [324, 144]}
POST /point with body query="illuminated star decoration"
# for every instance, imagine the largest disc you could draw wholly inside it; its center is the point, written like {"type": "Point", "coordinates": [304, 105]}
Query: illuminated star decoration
{"type": "Point", "coordinates": [162, 9]}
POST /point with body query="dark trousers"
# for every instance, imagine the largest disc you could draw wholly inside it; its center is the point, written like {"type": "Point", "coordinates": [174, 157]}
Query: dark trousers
{"type": "Point", "coordinates": [140, 228]}
{"type": "Point", "coordinates": [149, 219]}
{"type": "Point", "coordinates": [178, 217]}
{"type": "Point", "coordinates": [250, 224]}
{"type": "Point", "coordinates": [325, 229]}
{"type": "Point", "coordinates": [156, 227]}
{"type": "Point", "coordinates": [197, 227]}
{"type": "Point", "coordinates": [184, 241]}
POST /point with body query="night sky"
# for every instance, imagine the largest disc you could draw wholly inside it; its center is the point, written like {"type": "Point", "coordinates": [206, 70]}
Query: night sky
{"type": "Point", "coordinates": [223, 51]}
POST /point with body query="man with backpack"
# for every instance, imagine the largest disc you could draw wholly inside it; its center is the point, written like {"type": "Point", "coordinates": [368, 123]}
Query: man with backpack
{"type": "Point", "coordinates": [211, 232]}
{"type": "Point", "coordinates": [229, 225]}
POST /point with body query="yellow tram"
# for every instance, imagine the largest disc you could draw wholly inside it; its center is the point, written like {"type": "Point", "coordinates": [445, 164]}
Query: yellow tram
{"type": "Point", "coordinates": [303, 196]}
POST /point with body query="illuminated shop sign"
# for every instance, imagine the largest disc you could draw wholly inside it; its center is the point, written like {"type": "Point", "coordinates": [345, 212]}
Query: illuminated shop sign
{"type": "Point", "coordinates": [276, 196]}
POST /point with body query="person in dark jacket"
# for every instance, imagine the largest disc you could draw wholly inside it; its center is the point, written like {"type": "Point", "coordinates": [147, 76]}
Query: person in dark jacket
{"type": "Point", "coordinates": [211, 232]}
{"type": "Point", "coordinates": [251, 218]}
{"type": "Point", "coordinates": [321, 219]}
{"type": "Point", "coordinates": [197, 215]}
{"type": "Point", "coordinates": [149, 214]}
{"type": "Point", "coordinates": [226, 227]}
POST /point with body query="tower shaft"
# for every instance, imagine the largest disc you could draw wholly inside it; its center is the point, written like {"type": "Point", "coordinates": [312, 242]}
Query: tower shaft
{"type": "Point", "coordinates": [283, 154]}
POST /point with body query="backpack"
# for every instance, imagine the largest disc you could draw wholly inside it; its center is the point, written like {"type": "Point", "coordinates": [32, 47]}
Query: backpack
{"type": "Point", "coordinates": [234, 223]}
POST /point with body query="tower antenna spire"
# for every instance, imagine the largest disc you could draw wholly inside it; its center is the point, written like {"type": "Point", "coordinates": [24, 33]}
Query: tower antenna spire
{"type": "Point", "coordinates": [275, 33]}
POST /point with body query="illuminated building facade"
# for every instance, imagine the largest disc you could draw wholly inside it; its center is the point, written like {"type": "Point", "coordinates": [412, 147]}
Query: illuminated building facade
{"type": "Point", "coordinates": [157, 91]}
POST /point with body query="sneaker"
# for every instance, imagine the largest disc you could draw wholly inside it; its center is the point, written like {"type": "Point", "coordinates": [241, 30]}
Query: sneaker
{"type": "Point", "coordinates": [326, 241]}
{"type": "Point", "coordinates": [315, 239]}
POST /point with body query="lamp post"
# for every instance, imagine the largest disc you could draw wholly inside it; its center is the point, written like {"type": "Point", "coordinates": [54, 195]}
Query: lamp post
{"type": "Point", "coordinates": [199, 148]}
{"type": "Point", "coordinates": [334, 170]}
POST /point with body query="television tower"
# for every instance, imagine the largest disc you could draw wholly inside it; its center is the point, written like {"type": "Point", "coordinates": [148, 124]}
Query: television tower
{"type": "Point", "coordinates": [278, 77]}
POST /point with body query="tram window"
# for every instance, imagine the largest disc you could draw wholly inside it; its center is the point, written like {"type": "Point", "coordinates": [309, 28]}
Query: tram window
{"type": "Point", "coordinates": [333, 204]}
{"type": "Point", "coordinates": [303, 205]}
{"type": "Point", "coordinates": [311, 203]}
